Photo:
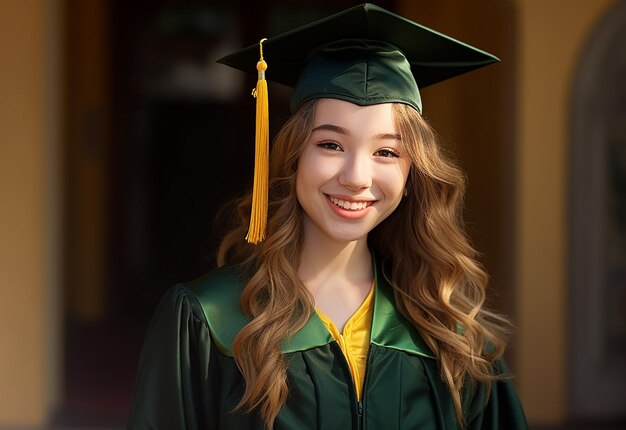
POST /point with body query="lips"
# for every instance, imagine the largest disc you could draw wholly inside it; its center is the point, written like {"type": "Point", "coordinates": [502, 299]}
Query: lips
{"type": "Point", "coordinates": [350, 205]}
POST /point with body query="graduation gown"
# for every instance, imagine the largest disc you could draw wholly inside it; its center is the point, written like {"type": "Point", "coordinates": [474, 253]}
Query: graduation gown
{"type": "Point", "coordinates": [188, 378]}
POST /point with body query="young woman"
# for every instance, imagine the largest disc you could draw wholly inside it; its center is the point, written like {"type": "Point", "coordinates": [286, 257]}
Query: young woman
{"type": "Point", "coordinates": [363, 305]}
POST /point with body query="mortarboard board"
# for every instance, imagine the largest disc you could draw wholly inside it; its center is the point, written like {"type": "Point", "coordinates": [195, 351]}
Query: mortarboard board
{"type": "Point", "coordinates": [365, 55]}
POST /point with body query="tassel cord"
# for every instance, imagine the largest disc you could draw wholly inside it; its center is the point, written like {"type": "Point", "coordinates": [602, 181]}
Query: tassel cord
{"type": "Point", "coordinates": [258, 216]}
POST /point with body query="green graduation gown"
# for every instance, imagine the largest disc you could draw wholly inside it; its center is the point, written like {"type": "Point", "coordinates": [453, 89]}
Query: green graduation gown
{"type": "Point", "coordinates": [188, 378]}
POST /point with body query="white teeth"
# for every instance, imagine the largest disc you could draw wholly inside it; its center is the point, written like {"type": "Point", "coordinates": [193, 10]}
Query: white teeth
{"type": "Point", "coordinates": [353, 206]}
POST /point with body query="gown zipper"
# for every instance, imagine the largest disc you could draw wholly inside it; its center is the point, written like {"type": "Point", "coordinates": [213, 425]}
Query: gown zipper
{"type": "Point", "coordinates": [361, 404]}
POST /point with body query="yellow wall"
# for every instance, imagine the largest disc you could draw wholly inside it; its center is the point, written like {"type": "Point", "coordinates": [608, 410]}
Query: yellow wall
{"type": "Point", "coordinates": [28, 336]}
{"type": "Point", "coordinates": [551, 35]}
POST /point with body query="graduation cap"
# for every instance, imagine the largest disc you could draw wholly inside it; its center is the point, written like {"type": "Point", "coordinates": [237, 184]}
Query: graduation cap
{"type": "Point", "coordinates": [364, 55]}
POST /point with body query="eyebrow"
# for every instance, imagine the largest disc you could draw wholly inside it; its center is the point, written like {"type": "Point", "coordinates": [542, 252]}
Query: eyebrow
{"type": "Point", "coordinates": [331, 127]}
{"type": "Point", "coordinates": [345, 132]}
{"type": "Point", "coordinates": [388, 136]}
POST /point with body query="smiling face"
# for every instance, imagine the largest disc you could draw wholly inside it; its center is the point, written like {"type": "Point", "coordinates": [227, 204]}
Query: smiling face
{"type": "Point", "coordinates": [352, 171]}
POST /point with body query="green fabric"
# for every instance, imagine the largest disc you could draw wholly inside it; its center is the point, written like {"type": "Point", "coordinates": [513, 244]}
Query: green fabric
{"type": "Point", "coordinates": [225, 318]}
{"type": "Point", "coordinates": [400, 56]}
{"type": "Point", "coordinates": [187, 380]}
{"type": "Point", "coordinates": [364, 72]}
{"type": "Point", "coordinates": [389, 328]}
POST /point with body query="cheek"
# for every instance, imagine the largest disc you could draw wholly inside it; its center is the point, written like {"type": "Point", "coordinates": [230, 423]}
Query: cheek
{"type": "Point", "coordinates": [394, 182]}
{"type": "Point", "coordinates": [306, 183]}
{"type": "Point", "coordinates": [314, 172]}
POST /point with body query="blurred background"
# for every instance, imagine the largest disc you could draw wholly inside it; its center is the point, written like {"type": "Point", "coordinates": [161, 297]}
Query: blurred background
{"type": "Point", "coordinates": [120, 139]}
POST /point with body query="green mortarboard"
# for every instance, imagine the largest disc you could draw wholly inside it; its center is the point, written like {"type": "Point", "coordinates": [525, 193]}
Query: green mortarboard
{"type": "Point", "coordinates": [365, 55]}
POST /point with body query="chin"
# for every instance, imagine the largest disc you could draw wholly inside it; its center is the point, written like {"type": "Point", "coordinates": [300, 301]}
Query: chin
{"type": "Point", "coordinates": [346, 235]}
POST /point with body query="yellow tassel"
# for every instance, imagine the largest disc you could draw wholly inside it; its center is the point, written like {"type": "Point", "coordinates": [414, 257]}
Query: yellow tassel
{"type": "Point", "coordinates": [258, 217]}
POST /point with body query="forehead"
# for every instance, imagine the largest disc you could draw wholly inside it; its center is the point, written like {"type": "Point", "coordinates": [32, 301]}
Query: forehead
{"type": "Point", "coordinates": [379, 118]}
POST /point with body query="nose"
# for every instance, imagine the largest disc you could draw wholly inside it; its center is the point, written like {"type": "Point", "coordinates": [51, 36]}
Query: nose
{"type": "Point", "coordinates": [356, 172]}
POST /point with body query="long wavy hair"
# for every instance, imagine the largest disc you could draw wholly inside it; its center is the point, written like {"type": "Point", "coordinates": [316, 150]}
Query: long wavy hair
{"type": "Point", "coordinates": [438, 284]}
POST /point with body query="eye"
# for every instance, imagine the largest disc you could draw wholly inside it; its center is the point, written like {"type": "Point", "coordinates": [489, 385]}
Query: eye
{"type": "Point", "coordinates": [387, 153]}
{"type": "Point", "coordinates": [330, 145]}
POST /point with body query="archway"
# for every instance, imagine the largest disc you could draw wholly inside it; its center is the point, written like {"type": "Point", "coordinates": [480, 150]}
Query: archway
{"type": "Point", "coordinates": [597, 230]}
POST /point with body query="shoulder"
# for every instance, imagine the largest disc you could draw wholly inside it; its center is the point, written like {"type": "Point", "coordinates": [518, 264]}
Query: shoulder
{"type": "Point", "coordinates": [217, 295]}
{"type": "Point", "coordinates": [215, 285]}
{"type": "Point", "coordinates": [494, 405]}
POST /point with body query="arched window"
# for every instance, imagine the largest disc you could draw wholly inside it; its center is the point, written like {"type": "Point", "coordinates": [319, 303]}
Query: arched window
{"type": "Point", "coordinates": [597, 230]}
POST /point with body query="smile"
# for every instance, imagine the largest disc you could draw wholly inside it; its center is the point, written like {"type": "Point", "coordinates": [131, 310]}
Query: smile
{"type": "Point", "coordinates": [349, 205]}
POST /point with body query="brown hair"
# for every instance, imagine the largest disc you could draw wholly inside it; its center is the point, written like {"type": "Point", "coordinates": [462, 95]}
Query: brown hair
{"type": "Point", "coordinates": [438, 284]}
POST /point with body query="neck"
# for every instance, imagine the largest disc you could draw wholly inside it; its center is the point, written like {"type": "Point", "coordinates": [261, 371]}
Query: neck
{"type": "Point", "coordinates": [323, 260]}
